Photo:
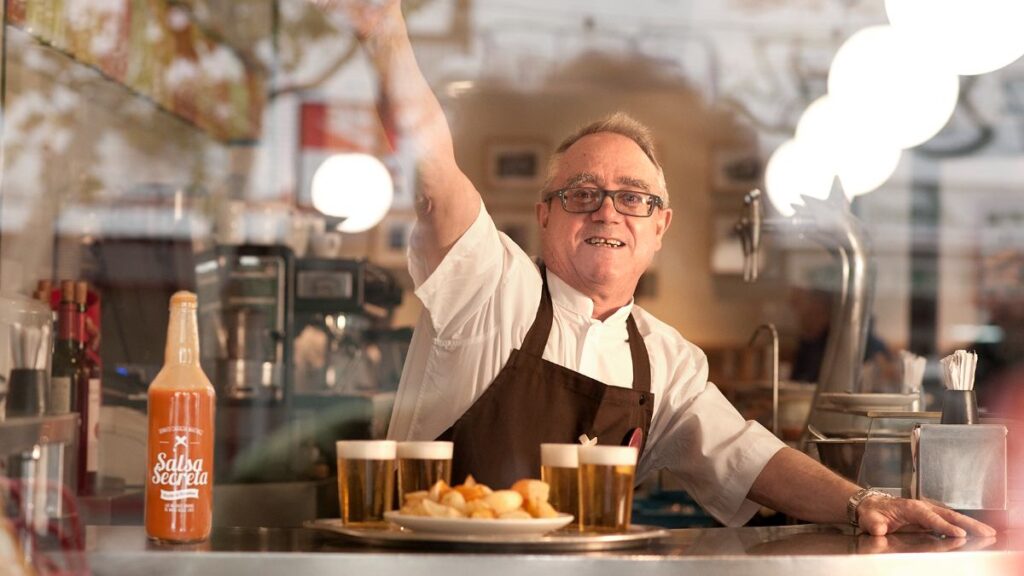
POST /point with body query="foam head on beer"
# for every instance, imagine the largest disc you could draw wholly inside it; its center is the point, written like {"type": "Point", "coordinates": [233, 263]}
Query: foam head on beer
{"type": "Point", "coordinates": [560, 455]}
{"type": "Point", "coordinates": [366, 449]}
{"type": "Point", "coordinates": [425, 450]}
{"type": "Point", "coordinates": [608, 455]}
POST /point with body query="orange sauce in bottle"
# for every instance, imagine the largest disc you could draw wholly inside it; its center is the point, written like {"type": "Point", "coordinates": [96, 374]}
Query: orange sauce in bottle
{"type": "Point", "coordinates": [179, 484]}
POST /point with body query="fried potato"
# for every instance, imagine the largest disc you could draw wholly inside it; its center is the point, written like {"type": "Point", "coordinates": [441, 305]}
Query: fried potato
{"type": "Point", "coordinates": [533, 491]}
{"type": "Point", "coordinates": [502, 501]}
{"type": "Point", "coordinates": [482, 513]}
{"type": "Point", "coordinates": [541, 510]}
{"type": "Point", "coordinates": [435, 510]}
{"type": "Point", "coordinates": [454, 499]}
{"type": "Point", "coordinates": [471, 493]}
{"type": "Point", "coordinates": [439, 489]}
{"type": "Point", "coordinates": [475, 505]}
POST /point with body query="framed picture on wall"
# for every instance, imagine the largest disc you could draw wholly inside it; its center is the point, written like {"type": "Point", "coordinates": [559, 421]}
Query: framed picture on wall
{"type": "Point", "coordinates": [516, 164]}
{"type": "Point", "coordinates": [736, 169]}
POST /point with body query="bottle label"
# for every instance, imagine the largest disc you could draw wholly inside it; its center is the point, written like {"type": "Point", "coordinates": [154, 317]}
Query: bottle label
{"type": "Point", "coordinates": [60, 395]}
{"type": "Point", "coordinates": [92, 449]}
{"type": "Point", "coordinates": [175, 472]}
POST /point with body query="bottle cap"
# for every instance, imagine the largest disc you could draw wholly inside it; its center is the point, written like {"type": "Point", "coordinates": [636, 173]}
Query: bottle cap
{"type": "Point", "coordinates": [184, 298]}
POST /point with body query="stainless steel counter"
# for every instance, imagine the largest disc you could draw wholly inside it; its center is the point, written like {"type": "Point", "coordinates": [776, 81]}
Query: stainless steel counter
{"type": "Point", "coordinates": [787, 550]}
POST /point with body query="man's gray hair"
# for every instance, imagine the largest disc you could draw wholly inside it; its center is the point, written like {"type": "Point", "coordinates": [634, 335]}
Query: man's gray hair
{"type": "Point", "coordinates": [618, 123]}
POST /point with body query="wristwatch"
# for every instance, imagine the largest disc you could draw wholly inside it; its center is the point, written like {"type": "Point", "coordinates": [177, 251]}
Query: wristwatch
{"type": "Point", "coordinates": [854, 502]}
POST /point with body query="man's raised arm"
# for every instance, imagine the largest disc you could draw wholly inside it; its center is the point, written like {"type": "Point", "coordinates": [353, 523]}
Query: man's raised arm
{"type": "Point", "coordinates": [446, 202]}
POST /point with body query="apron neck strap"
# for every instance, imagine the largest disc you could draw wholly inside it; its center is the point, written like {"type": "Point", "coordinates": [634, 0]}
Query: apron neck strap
{"type": "Point", "coordinates": [641, 361]}
{"type": "Point", "coordinates": [537, 338]}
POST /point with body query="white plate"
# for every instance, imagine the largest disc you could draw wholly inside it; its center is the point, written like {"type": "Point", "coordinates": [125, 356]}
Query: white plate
{"type": "Point", "coordinates": [848, 400]}
{"type": "Point", "coordinates": [476, 526]}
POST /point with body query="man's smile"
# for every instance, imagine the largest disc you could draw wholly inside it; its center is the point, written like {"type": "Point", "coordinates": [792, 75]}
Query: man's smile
{"type": "Point", "coordinates": [604, 242]}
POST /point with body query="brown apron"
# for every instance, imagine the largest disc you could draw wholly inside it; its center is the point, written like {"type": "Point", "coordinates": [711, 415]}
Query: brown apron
{"type": "Point", "coordinates": [532, 401]}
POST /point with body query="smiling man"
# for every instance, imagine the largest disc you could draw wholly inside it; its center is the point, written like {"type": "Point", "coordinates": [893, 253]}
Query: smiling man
{"type": "Point", "coordinates": [510, 353]}
{"type": "Point", "coordinates": [604, 255]}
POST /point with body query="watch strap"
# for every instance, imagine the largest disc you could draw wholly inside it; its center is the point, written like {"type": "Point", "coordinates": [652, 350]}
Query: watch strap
{"type": "Point", "coordinates": [854, 502]}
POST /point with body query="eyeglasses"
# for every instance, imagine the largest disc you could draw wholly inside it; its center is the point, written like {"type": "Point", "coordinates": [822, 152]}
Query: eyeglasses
{"type": "Point", "coordinates": [626, 202]}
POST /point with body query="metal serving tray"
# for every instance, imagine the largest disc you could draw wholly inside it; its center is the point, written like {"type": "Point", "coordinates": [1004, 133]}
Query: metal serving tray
{"type": "Point", "coordinates": [558, 541]}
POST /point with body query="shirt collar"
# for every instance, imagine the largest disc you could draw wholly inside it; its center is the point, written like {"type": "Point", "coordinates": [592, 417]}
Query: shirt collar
{"type": "Point", "coordinates": [568, 298]}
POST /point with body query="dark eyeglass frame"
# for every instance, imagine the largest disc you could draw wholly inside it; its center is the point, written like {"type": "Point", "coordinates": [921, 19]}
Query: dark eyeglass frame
{"type": "Point", "coordinates": [652, 201]}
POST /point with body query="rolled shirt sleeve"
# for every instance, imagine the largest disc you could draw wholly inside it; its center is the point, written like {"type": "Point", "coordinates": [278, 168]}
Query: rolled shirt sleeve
{"type": "Point", "coordinates": [701, 438]}
{"type": "Point", "coordinates": [466, 279]}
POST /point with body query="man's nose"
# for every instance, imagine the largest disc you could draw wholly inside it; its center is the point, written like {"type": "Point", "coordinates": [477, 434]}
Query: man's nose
{"type": "Point", "coordinates": [607, 212]}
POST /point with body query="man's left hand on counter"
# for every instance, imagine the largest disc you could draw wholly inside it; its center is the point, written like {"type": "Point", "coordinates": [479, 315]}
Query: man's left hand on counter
{"type": "Point", "coordinates": [880, 516]}
{"type": "Point", "coordinates": [795, 484]}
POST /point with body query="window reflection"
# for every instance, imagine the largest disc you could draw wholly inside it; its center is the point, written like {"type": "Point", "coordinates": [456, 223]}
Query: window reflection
{"type": "Point", "coordinates": [152, 146]}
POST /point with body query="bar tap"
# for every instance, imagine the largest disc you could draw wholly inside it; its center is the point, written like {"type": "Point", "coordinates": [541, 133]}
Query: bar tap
{"type": "Point", "coordinates": [831, 224]}
{"type": "Point", "coordinates": [749, 228]}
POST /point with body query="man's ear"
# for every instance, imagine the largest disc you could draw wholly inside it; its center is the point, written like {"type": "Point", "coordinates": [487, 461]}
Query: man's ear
{"type": "Point", "coordinates": [543, 210]}
{"type": "Point", "coordinates": [662, 224]}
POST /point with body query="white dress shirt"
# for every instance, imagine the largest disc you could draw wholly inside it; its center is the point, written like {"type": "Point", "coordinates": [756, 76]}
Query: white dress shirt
{"type": "Point", "coordinates": [478, 305]}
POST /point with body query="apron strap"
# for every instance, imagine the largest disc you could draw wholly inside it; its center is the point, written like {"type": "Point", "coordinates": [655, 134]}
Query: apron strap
{"type": "Point", "coordinates": [537, 337]}
{"type": "Point", "coordinates": [641, 361]}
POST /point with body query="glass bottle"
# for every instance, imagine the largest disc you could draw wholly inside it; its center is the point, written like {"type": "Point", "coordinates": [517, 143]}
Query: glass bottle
{"type": "Point", "coordinates": [179, 484]}
{"type": "Point", "coordinates": [67, 372]}
{"type": "Point", "coordinates": [89, 396]}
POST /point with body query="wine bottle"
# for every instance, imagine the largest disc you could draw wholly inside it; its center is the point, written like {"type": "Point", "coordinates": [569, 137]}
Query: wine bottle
{"type": "Point", "coordinates": [67, 371]}
{"type": "Point", "coordinates": [89, 397]}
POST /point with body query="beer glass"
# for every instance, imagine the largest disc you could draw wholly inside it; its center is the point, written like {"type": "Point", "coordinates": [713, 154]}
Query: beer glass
{"type": "Point", "coordinates": [606, 476]}
{"type": "Point", "coordinates": [559, 467]}
{"type": "Point", "coordinates": [366, 472]}
{"type": "Point", "coordinates": [421, 465]}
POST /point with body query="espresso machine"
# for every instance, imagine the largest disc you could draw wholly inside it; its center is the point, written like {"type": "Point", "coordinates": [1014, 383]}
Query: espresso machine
{"type": "Point", "coordinates": [342, 336]}
{"type": "Point", "coordinates": [244, 314]}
